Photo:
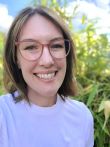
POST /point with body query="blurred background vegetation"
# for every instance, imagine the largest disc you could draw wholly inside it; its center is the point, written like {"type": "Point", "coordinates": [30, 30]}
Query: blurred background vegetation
{"type": "Point", "coordinates": [93, 67]}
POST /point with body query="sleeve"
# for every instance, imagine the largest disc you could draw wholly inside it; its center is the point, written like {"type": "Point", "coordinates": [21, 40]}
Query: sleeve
{"type": "Point", "coordinates": [0, 121]}
{"type": "Point", "coordinates": [3, 142]}
{"type": "Point", "coordinates": [89, 129]}
{"type": "Point", "coordinates": [0, 129]}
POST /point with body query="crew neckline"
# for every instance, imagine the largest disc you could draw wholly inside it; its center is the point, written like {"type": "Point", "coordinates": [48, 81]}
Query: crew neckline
{"type": "Point", "coordinates": [46, 110]}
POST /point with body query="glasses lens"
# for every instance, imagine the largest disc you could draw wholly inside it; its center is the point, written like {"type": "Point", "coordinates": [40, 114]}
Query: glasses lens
{"type": "Point", "coordinates": [60, 48]}
{"type": "Point", "coordinates": [30, 50]}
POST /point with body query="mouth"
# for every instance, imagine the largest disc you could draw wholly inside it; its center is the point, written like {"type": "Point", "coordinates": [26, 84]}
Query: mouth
{"type": "Point", "coordinates": [45, 76]}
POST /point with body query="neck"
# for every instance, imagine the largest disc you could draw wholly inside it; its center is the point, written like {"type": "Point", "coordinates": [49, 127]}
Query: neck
{"type": "Point", "coordinates": [42, 101]}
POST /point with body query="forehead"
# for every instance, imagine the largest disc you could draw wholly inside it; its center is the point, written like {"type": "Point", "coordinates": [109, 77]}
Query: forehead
{"type": "Point", "coordinates": [40, 27]}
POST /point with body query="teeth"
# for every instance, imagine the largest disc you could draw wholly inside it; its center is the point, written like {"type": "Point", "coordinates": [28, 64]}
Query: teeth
{"type": "Point", "coordinates": [46, 76]}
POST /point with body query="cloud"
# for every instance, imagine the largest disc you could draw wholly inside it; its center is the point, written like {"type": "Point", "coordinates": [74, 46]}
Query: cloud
{"type": "Point", "coordinates": [92, 11]}
{"type": "Point", "coordinates": [5, 19]}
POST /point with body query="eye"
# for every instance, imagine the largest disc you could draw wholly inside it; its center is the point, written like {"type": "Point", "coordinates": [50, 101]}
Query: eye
{"type": "Point", "coordinates": [57, 45]}
{"type": "Point", "coordinates": [31, 47]}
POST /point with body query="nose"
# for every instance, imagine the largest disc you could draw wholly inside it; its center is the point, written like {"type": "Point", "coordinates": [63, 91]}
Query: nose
{"type": "Point", "coordinates": [46, 59]}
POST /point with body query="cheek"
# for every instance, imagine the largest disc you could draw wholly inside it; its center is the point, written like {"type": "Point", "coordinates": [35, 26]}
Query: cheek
{"type": "Point", "coordinates": [26, 68]}
{"type": "Point", "coordinates": [23, 64]}
{"type": "Point", "coordinates": [62, 66]}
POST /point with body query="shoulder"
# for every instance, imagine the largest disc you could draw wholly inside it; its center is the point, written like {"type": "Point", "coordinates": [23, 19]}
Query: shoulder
{"type": "Point", "coordinates": [6, 103]}
{"type": "Point", "coordinates": [78, 109]}
{"type": "Point", "coordinates": [5, 99]}
{"type": "Point", "coordinates": [79, 115]}
{"type": "Point", "coordinates": [7, 107]}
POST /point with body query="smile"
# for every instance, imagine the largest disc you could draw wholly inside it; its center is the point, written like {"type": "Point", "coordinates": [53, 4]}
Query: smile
{"type": "Point", "coordinates": [46, 76]}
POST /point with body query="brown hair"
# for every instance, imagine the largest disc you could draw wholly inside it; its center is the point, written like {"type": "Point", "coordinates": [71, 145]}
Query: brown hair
{"type": "Point", "coordinates": [13, 79]}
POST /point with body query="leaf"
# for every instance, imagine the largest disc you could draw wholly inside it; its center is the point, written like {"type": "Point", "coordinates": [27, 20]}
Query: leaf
{"type": "Point", "coordinates": [106, 111]}
{"type": "Point", "coordinates": [101, 107]}
{"type": "Point", "coordinates": [92, 94]}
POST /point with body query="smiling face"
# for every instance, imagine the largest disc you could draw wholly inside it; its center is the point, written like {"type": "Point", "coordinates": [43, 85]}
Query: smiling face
{"type": "Point", "coordinates": [45, 75]}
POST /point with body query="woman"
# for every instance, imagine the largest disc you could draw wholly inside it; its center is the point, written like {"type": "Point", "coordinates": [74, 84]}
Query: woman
{"type": "Point", "coordinates": [39, 58]}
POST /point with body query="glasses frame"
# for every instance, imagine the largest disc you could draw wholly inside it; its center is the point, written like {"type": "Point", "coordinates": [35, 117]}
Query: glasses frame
{"type": "Point", "coordinates": [17, 43]}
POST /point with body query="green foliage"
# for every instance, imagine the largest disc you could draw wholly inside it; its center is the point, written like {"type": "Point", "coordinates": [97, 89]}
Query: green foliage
{"type": "Point", "coordinates": [93, 52]}
{"type": "Point", "coordinates": [93, 67]}
{"type": "Point", "coordinates": [93, 75]}
{"type": "Point", "coordinates": [2, 36]}
{"type": "Point", "coordinates": [1, 43]}
{"type": "Point", "coordinates": [92, 93]}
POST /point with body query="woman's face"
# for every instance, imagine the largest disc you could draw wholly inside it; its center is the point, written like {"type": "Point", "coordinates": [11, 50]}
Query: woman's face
{"type": "Point", "coordinates": [45, 75]}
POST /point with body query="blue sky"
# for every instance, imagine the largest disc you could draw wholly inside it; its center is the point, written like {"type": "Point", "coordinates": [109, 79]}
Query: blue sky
{"type": "Point", "coordinates": [14, 6]}
{"type": "Point", "coordinates": [92, 8]}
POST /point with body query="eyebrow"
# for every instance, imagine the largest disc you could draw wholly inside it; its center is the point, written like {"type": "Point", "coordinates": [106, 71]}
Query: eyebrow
{"type": "Point", "coordinates": [57, 38]}
{"type": "Point", "coordinates": [30, 39]}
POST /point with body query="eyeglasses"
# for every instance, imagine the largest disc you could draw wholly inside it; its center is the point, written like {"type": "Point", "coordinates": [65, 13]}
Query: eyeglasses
{"type": "Point", "coordinates": [32, 50]}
